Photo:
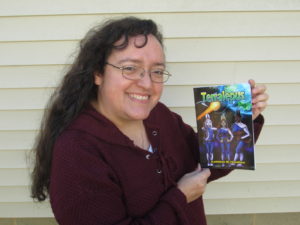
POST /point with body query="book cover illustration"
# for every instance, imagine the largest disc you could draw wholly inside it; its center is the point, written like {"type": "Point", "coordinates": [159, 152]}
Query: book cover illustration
{"type": "Point", "coordinates": [225, 127]}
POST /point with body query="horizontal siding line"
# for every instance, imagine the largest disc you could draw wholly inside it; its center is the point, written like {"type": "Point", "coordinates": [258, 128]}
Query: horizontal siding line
{"type": "Point", "coordinates": [133, 13]}
{"type": "Point", "coordinates": [266, 125]}
{"type": "Point", "coordinates": [223, 182]}
{"type": "Point", "coordinates": [251, 181]}
{"type": "Point", "coordinates": [215, 181]}
{"type": "Point", "coordinates": [194, 127]}
{"type": "Point", "coordinates": [225, 37]}
{"type": "Point", "coordinates": [33, 202]}
{"type": "Point", "coordinates": [205, 198]}
{"type": "Point", "coordinates": [24, 110]}
{"type": "Point", "coordinates": [27, 181]}
{"type": "Point", "coordinates": [244, 182]}
{"type": "Point", "coordinates": [41, 41]}
{"type": "Point", "coordinates": [35, 108]}
{"type": "Point", "coordinates": [226, 61]}
{"type": "Point", "coordinates": [178, 107]}
{"type": "Point", "coordinates": [169, 62]}
{"type": "Point", "coordinates": [165, 38]}
{"type": "Point", "coordinates": [257, 197]}
{"type": "Point", "coordinates": [209, 62]}
{"type": "Point", "coordinates": [172, 107]}
{"type": "Point", "coordinates": [15, 150]}
{"type": "Point", "coordinates": [41, 65]}
{"type": "Point", "coordinates": [250, 197]}
{"type": "Point", "coordinates": [15, 186]}
{"type": "Point", "coordinates": [257, 164]}
{"type": "Point", "coordinates": [202, 84]}
{"type": "Point", "coordinates": [74, 53]}
{"type": "Point", "coordinates": [283, 145]}
{"type": "Point", "coordinates": [35, 88]}
{"type": "Point", "coordinates": [178, 62]}
{"type": "Point", "coordinates": [275, 163]}
{"type": "Point", "coordinates": [169, 38]}
{"type": "Point", "coordinates": [25, 130]}
{"type": "Point", "coordinates": [151, 12]}
{"type": "Point", "coordinates": [165, 85]}
{"type": "Point", "coordinates": [260, 145]}
{"type": "Point", "coordinates": [280, 125]}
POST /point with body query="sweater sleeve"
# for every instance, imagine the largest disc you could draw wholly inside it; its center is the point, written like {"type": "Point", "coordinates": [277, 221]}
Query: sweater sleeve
{"type": "Point", "coordinates": [84, 190]}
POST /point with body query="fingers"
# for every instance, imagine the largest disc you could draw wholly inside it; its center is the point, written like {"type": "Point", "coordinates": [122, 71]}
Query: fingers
{"type": "Point", "coordinates": [259, 98]}
{"type": "Point", "coordinates": [193, 184]}
{"type": "Point", "coordinates": [258, 89]}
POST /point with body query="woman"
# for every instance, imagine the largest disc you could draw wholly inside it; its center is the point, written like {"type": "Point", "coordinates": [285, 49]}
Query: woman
{"type": "Point", "coordinates": [209, 139]}
{"type": "Point", "coordinates": [108, 152]}
{"type": "Point", "coordinates": [224, 136]}
{"type": "Point", "coordinates": [242, 137]}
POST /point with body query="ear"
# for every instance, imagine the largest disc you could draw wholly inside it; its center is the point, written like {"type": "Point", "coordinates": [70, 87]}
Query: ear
{"type": "Point", "coordinates": [98, 78]}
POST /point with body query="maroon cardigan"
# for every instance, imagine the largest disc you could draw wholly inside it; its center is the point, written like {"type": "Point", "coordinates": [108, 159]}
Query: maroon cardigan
{"type": "Point", "coordinates": [99, 177]}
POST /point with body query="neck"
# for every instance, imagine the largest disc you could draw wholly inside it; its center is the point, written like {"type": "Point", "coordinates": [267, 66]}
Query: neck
{"type": "Point", "coordinates": [137, 133]}
{"type": "Point", "coordinates": [133, 129]}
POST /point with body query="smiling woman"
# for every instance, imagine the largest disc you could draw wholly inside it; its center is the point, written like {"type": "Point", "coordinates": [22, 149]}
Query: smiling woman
{"type": "Point", "coordinates": [108, 151]}
{"type": "Point", "coordinates": [127, 102]}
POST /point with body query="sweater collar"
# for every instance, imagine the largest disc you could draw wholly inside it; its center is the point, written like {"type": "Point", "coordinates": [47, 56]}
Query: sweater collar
{"type": "Point", "coordinates": [94, 123]}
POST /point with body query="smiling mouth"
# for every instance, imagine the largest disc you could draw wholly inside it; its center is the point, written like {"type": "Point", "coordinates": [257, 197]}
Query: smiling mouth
{"type": "Point", "coordinates": [139, 97]}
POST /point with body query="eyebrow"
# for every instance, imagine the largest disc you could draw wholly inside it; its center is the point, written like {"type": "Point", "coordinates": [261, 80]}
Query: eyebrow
{"type": "Point", "coordinates": [139, 61]}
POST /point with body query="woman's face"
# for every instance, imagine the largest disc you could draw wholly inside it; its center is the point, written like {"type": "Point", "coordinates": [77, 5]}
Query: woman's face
{"type": "Point", "coordinates": [208, 123]}
{"type": "Point", "coordinates": [238, 119]}
{"type": "Point", "coordinates": [122, 100]}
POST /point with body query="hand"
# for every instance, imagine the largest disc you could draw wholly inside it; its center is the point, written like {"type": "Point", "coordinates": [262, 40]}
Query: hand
{"type": "Point", "coordinates": [259, 98]}
{"type": "Point", "coordinates": [193, 184]}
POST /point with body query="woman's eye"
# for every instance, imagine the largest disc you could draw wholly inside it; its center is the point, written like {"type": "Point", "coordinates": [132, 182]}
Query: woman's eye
{"type": "Point", "coordinates": [129, 68]}
{"type": "Point", "coordinates": [158, 72]}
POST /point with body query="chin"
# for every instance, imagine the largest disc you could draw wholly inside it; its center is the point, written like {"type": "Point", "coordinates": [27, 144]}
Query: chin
{"type": "Point", "coordinates": [139, 116]}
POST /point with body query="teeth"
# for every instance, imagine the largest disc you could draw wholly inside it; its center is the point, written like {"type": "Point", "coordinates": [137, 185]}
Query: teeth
{"type": "Point", "coordinates": [139, 97]}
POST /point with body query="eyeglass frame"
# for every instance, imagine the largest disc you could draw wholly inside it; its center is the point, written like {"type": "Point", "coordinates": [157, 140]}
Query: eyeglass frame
{"type": "Point", "coordinates": [165, 73]}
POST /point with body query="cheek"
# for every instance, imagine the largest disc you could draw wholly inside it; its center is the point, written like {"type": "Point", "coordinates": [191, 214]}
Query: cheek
{"type": "Point", "coordinates": [159, 90]}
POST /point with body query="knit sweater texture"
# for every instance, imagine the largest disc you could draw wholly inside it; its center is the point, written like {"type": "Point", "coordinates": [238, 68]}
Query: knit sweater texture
{"type": "Point", "coordinates": [99, 177]}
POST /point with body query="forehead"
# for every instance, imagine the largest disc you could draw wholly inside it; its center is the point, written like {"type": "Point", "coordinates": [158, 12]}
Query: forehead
{"type": "Point", "coordinates": [137, 50]}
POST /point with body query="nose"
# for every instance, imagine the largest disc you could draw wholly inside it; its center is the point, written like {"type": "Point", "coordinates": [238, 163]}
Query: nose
{"type": "Point", "coordinates": [145, 80]}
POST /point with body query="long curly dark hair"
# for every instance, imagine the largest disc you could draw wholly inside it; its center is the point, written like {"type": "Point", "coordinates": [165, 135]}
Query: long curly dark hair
{"type": "Point", "coordinates": [77, 89]}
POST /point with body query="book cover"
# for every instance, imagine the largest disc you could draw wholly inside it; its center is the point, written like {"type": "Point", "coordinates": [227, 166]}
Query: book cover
{"type": "Point", "coordinates": [225, 126]}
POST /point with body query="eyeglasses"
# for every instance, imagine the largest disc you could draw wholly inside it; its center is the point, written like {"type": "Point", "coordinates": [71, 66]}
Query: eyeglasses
{"type": "Point", "coordinates": [137, 73]}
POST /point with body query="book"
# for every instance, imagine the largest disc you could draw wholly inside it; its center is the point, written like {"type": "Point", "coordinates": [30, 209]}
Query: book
{"type": "Point", "coordinates": [225, 126]}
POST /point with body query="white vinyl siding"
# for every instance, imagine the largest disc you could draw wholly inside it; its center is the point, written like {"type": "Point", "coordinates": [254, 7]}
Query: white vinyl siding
{"type": "Point", "coordinates": [207, 42]}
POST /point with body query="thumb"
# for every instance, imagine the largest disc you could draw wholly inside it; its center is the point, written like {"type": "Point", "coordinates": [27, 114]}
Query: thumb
{"type": "Point", "coordinates": [252, 83]}
{"type": "Point", "coordinates": [205, 172]}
